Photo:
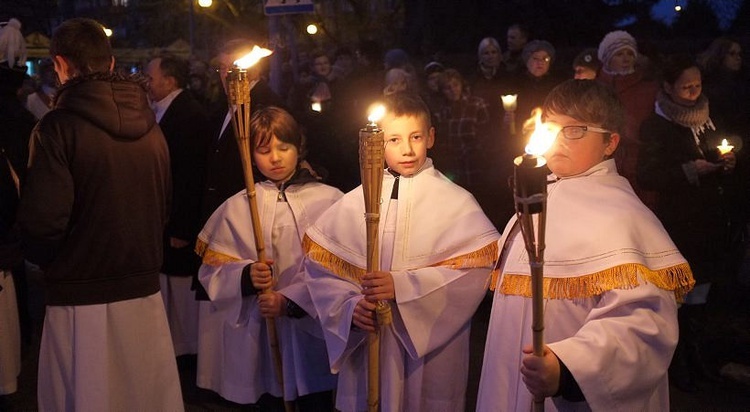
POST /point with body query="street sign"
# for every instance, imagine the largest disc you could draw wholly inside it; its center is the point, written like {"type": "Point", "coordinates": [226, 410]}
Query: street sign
{"type": "Point", "coordinates": [274, 7]}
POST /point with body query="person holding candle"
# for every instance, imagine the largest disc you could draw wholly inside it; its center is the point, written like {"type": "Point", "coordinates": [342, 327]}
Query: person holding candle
{"type": "Point", "coordinates": [681, 159]}
{"type": "Point", "coordinates": [235, 357]}
{"type": "Point", "coordinates": [436, 251]}
{"type": "Point", "coordinates": [611, 279]}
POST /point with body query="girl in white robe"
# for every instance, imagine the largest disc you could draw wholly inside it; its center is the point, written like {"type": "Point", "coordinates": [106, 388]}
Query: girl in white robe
{"type": "Point", "coordinates": [611, 279]}
{"type": "Point", "coordinates": [234, 356]}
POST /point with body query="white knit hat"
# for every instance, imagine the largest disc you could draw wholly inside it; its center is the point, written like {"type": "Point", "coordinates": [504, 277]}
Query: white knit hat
{"type": "Point", "coordinates": [614, 41]}
{"type": "Point", "coordinates": [12, 44]}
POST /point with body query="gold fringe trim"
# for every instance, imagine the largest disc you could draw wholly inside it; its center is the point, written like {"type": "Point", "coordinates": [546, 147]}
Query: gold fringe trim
{"type": "Point", "coordinates": [678, 279]}
{"type": "Point", "coordinates": [484, 257]}
{"type": "Point", "coordinates": [212, 257]}
{"type": "Point", "coordinates": [331, 262]}
{"type": "Point", "coordinates": [200, 247]}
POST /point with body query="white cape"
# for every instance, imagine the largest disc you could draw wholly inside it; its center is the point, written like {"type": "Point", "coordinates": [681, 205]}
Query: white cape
{"type": "Point", "coordinates": [234, 354]}
{"type": "Point", "coordinates": [611, 278]}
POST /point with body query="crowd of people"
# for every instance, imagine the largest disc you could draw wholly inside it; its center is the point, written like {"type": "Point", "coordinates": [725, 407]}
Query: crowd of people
{"type": "Point", "coordinates": [132, 196]}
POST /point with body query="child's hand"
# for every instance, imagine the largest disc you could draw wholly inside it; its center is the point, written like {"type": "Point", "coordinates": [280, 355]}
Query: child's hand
{"type": "Point", "coordinates": [364, 316]}
{"type": "Point", "coordinates": [378, 286]}
{"type": "Point", "coordinates": [271, 304]}
{"type": "Point", "coordinates": [262, 275]}
{"type": "Point", "coordinates": [541, 374]}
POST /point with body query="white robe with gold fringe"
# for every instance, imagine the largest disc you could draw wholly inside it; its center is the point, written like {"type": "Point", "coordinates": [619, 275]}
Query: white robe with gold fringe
{"type": "Point", "coordinates": [234, 356]}
{"type": "Point", "coordinates": [611, 279]}
{"type": "Point", "coordinates": [440, 248]}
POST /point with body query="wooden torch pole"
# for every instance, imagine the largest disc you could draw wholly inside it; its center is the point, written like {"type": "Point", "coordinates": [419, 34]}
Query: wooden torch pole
{"type": "Point", "coordinates": [238, 95]}
{"type": "Point", "coordinates": [371, 155]}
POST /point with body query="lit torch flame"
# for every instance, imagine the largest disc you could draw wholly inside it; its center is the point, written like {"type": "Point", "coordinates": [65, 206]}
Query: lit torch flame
{"type": "Point", "coordinates": [543, 134]}
{"type": "Point", "coordinates": [253, 57]}
{"type": "Point", "coordinates": [376, 113]}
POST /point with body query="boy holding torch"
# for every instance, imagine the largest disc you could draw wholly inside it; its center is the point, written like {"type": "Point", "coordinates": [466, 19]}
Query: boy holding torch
{"type": "Point", "coordinates": [436, 252]}
{"type": "Point", "coordinates": [612, 277]}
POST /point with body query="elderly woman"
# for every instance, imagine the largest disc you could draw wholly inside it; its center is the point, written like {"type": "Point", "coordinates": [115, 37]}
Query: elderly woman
{"type": "Point", "coordinates": [618, 53]}
{"type": "Point", "coordinates": [680, 159]}
{"type": "Point", "coordinates": [533, 85]}
{"type": "Point", "coordinates": [611, 279]}
{"type": "Point", "coordinates": [490, 81]}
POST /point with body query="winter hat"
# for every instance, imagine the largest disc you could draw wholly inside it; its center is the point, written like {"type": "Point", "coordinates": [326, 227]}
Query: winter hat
{"type": "Point", "coordinates": [12, 44]}
{"type": "Point", "coordinates": [433, 67]}
{"type": "Point", "coordinates": [396, 58]}
{"type": "Point", "coordinates": [535, 46]}
{"type": "Point", "coordinates": [588, 58]}
{"type": "Point", "coordinates": [614, 41]}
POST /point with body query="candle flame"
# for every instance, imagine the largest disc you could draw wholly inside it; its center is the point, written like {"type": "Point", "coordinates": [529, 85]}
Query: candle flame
{"type": "Point", "coordinates": [316, 107]}
{"type": "Point", "coordinates": [376, 113]}
{"type": "Point", "coordinates": [253, 57]}
{"type": "Point", "coordinates": [509, 102]}
{"type": "Point", "coordinates": [725, 147]}
{"type": "Point", "coordinates": [542, 137]}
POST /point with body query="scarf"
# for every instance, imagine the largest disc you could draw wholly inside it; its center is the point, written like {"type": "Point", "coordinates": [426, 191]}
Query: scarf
{"type": "Point", "coordinates": [694, 117]}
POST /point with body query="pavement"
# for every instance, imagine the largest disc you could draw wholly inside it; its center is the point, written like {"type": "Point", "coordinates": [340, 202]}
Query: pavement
{"type": "Point", "coordinates": [727, 338]}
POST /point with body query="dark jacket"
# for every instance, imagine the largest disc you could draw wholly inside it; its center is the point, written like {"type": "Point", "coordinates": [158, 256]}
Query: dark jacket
{"type": "Point", "coordinates": [17, 123]}
{"type": "Point", "coordinates": [185, 126]}
{"type": "Point", "coordinates": [224, 175]}
{"type": "Point", "coordinates": [694, 212]}
{"type": "Point", "coordinates": [94, 205]}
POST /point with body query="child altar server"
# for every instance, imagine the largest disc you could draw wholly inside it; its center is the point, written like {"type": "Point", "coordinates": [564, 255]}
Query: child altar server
{"type": "Point", "coordinates": [234, 356]}
{"type": "Point", "coordinates": [611, 279]}
{"type": "Point", "coordinates": [436, 254]}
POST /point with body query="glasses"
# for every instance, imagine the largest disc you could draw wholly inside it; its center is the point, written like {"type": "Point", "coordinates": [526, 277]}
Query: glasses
{"type": "Point", "coordinates": [541, 59]}
{"type": "Point", "coordinates": [577, 132]}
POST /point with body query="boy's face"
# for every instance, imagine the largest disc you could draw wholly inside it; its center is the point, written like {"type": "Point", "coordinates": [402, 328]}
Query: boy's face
{"type": "Point", "coordinates": [572, 157]}
{"type": "Point", "coordinates": [407, 139]}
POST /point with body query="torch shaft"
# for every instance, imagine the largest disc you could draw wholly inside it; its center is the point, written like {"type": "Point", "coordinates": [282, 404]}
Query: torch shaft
{"type": "Point", "coordinates": [371, 171]}
{"type": "Point", "coordinates": [239, 100]}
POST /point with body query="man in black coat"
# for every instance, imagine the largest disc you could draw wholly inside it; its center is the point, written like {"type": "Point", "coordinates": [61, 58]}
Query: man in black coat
{"type": "Point", "coordinates": [185, 127]}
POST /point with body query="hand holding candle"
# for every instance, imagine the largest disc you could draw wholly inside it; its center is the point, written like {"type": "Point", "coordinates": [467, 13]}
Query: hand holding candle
{"type": "Point", "coordinates": [724, 147]}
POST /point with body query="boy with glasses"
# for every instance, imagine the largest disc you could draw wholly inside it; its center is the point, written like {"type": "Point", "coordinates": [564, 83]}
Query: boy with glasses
{"type": "Point", "coordinates": [612, 277]}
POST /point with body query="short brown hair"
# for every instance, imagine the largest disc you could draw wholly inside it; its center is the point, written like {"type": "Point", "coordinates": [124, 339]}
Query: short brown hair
{"type": "Point", "coordinates": [407, 104]}
{"type": "Point", "coordinates": [587, 101]}
{"type": "Point", "coordinates": [273, 121]}
{"type": "Point", "coordinates": [83, 44]}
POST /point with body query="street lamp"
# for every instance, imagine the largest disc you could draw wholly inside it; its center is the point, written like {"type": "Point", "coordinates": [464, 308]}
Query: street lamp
{"type": "Point", "coordinates": [203, 4]}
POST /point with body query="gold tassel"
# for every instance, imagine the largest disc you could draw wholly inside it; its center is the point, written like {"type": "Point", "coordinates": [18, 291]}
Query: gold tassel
{"type": "Point", "coordinates": [678, 279]}
{"type": "Point", "coordinates": [331, 262]}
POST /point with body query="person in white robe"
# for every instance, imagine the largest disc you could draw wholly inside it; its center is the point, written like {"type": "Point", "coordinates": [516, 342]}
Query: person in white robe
{"type": "Point", "coordinates": [234, 357]}
{"type": "Point", "coordinates": [436, 253]}
{"type": "Point", "coordinates": [612, 278]}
